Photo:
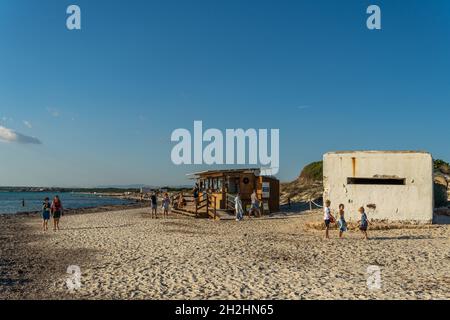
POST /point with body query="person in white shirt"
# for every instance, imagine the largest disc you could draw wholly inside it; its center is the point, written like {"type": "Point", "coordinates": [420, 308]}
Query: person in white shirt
{"type": "Point", "coordinates": [327, 217]}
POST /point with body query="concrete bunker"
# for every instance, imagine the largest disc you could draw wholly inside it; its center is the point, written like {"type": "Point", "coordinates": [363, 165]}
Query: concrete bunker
{"type": "Point", "coordinates": [390, 185]}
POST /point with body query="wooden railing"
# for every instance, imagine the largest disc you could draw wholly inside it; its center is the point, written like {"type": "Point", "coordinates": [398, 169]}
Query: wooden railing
{"type": "Point", "coordinates": [209, 203]}
{"type": "Point", "coordinates": [174, 199]}
{"type": "Point", "coordinates": [204, 203]}
{"type": "Point", "coordinates": [229, 202]}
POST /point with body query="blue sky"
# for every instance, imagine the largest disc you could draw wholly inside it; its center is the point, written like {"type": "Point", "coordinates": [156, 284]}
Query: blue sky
{"type": "Point", "coordinates": [104, 100]}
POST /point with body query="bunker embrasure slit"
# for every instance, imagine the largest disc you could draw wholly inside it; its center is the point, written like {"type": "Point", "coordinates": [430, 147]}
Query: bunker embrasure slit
{"type": "Point", "coordinates": [377, 181]}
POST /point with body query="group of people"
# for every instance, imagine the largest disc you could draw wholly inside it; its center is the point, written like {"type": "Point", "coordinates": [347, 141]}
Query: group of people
{"type": "Point", "coordinates": [165, 204]}
{"type": "Point", "coordinates": [53, 210]}
{"type": "Point", "coordinates": [341, 223]}
{"type": "Point", "coordinates": [254, 207]}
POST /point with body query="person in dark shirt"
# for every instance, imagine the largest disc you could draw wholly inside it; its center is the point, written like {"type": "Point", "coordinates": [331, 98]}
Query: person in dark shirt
{"type": "Point", "coordinates": [196, 194]}
{"type": "Point", "coordinates": [154, 205]}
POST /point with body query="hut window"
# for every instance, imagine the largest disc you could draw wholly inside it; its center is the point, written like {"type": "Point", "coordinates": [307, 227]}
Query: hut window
{"type": "Point", "coordinates": [377, 181]}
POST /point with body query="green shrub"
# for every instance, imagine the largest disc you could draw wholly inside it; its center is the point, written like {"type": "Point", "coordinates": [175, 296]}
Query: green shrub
{"type": "Point", "coordinates": [312, 172]}
{"type": "Point", "coordinates": [442, 166]}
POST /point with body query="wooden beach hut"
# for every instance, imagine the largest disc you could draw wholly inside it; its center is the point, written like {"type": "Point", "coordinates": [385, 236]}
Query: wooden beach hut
{"type": "Point", "coordinates": [223, 185]}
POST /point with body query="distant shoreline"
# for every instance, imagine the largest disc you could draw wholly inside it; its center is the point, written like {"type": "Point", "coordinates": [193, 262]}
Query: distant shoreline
{"type": "Point", "coordinates": [130, 201]}
{"type": "Point", "coordinates": [72, 211]}
{"type": "Point", "coordinates": [68, 190]}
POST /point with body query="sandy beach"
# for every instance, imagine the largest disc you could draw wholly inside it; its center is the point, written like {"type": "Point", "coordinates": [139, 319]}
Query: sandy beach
{"type": "Point", "coordinates": [126, 255]}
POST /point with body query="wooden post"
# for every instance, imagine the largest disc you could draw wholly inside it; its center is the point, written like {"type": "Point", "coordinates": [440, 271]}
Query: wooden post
{"type": "Point", "coordinates": [196, 208]}
{"type": "Point", "coordinates": [215, 212]}
{"type": "Point", "coordinates": [310, 205]}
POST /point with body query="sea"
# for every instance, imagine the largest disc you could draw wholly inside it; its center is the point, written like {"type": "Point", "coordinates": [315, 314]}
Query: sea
{"type": "Point", "coordinates": [12, 202]}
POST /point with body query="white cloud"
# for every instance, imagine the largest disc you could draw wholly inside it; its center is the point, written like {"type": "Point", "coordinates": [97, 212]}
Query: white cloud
{"type": "Point", "coordinates": [5, 119]}
{"type": "Point", "coordinates": [8, 135]}
{"type": "Point", "coordinates": [27, 123]}
{"type": "Point", "coordinates": [53, 112]}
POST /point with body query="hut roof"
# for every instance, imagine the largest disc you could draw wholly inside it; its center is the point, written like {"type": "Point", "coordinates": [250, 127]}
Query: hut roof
{"type": "Point", "coordinates": [220, 173]}
{"type": "Point", "coordinates": [206, 173]}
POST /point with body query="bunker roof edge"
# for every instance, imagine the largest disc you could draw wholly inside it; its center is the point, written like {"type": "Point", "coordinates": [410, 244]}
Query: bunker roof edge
{"type": "Point", "coordinates": [378, 152]}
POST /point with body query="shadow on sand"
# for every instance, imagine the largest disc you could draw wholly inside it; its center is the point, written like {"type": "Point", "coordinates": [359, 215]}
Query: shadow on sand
{"type": "Point", "coordinates": [441, 219]}
{"type": "Point", "coordinates": [401, 238]}
{"type": "Point", "coordinates": [297, 207]}
{"type": "Point", "coordinates": [27, 273]}
{"type": "Point", "coordinates": [96, 228]}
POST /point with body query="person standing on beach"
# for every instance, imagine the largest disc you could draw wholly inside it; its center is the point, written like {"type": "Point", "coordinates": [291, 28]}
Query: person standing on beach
{"type": "Point", "coordinates": [363, 223]}
{"type": "Point", "coordinates": [327, 217]}
{"type": "Point", "coordinates": [57, 210]}
{"type": "Point", "coordinates": [46, 208]}
{"type": "Point", "coordinates": [154, 205]}
{"type": "Point", "coordinates": [165, 205]}
{"type": "Point", "coordinates": [341, 222]}
{"type": "Point", "coordinates": [255, 205]}
{"type": "Point", "coordinates": [196, 194]}
{"type": "Point", "coordinates": [238, 207]}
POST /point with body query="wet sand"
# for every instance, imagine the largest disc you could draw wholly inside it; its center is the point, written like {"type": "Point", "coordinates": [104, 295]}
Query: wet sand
{"type": "Point", "coordinates": [125, 254]}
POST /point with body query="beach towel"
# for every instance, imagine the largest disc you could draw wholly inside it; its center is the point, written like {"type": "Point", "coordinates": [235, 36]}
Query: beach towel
{"type": "Point", "coordinates": [239, 209]}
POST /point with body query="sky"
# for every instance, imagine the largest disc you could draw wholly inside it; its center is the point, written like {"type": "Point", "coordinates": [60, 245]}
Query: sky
{"type": "Point", "coordinates": [97, 106]}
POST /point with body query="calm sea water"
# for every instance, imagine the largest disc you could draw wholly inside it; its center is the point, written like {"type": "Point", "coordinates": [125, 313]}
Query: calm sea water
{"type": "Point", "coordinates": [11, 202]}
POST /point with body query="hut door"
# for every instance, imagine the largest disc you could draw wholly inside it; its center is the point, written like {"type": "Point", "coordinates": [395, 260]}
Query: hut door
{"type": "Point", "coordinates": [233, 185]}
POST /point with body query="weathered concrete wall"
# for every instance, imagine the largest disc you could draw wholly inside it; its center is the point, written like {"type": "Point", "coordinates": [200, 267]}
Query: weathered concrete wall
{"type": "Point", "coordinates": [410, 202]}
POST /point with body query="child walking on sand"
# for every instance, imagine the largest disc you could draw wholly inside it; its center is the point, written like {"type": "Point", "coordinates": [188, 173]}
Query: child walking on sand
{"type": "Point", "coordinates": [327, 217]}
{"type": "Point", "coordinates": [165, 205]}
{"type": "Point", "coordinates": [46, 207]}
{"type": "Point", "coordinates": [363, 223]}
{"type": "Point", "coordinates": [342, 223]}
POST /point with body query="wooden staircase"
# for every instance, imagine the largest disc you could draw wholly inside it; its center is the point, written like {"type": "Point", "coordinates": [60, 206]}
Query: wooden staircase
{"type": "Point", "coordinates": [204, 208]}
